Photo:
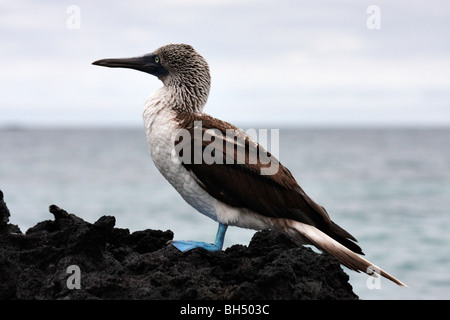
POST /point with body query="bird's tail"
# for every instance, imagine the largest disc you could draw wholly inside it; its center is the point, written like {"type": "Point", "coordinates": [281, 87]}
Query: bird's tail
{"type": "Point", "coordinates": [348, 258]}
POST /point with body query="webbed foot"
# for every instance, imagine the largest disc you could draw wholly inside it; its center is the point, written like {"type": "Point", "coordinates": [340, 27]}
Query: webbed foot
{"type": "Point", "coordinates": [186, 245]}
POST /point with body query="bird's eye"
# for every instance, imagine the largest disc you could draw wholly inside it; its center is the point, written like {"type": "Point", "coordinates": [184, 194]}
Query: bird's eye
{"type": "Point", "coordinates": [157, 59]}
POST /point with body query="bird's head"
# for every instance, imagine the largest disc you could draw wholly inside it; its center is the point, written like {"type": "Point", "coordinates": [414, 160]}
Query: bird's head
{"type": "Point", "coordinates": [176, 65]}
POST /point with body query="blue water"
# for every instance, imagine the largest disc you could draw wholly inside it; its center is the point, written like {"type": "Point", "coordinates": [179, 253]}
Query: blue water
{"type": "Point", "coordinates": [390, 188]}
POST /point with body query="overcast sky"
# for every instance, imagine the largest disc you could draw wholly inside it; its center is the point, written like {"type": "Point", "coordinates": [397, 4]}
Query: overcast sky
{"type": "Point", "coordinates": [272, 62]}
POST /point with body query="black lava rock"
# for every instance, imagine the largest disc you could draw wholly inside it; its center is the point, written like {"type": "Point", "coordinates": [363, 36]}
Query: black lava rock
{"type": "Point", "coordinates": [69, 258]}
{"type": "Point", "coordinates": [6, 227]}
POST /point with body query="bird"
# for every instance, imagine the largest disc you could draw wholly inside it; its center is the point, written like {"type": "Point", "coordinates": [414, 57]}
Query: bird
{"type": "Point", "coordinates": [239, 188]}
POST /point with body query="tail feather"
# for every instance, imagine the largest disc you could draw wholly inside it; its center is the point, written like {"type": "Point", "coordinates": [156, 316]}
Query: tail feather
{"type": "Point", "coordinates": [346, 256]}
{"type": "Point", "coordinates": [343, 237]}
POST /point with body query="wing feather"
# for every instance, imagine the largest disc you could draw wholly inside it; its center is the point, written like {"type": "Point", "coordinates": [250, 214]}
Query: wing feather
{"type": "Point", "coordinates": [237, 180]}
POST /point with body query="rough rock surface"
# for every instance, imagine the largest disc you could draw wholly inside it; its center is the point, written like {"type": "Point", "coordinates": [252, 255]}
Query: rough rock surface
{"type": "Point", "coordinates": [116, 264]}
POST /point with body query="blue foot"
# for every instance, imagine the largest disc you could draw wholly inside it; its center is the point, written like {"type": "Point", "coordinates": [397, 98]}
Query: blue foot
{"type": "Point", "coordinates": [189, 245]}
{"type": "Point", "coordinates": [184, 246]}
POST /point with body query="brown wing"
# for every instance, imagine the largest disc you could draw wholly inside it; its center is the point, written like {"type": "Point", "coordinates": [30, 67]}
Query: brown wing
{"type": "Point", "coordinates": [234, 176]}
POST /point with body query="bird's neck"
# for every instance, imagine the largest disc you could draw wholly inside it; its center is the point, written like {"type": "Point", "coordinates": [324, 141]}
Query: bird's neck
{"type": "Point", "coordinates": [186, 96]}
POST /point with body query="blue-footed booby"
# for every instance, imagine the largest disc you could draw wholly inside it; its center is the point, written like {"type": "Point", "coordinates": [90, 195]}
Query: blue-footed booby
{"type": "Point", "coordinates": [233, 189]}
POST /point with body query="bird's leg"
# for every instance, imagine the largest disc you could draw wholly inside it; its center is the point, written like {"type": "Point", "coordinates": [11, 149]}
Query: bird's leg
{"type": "Point", "coordinates": [184, 246]}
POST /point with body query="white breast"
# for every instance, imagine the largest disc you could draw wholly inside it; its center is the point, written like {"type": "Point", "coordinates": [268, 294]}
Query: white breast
{"type": "Point", "coordinates": [161, 127]}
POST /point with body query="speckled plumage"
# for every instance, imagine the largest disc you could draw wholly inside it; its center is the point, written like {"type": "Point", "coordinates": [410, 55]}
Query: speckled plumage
{"type": "Point", "coordinates": [188, 81]}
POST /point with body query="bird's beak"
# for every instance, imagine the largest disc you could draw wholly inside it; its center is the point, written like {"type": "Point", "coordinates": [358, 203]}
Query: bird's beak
{"type": "Point", "coordinates": [146, 63]}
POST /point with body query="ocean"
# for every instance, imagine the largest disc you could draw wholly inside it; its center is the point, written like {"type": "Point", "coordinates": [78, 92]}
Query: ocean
{"type": "Point", "coordinates": [390, 188]}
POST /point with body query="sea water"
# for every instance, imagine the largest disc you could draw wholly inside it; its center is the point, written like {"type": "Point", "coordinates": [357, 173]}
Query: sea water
{"type": "Point", "coordinates": [390, 188]}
